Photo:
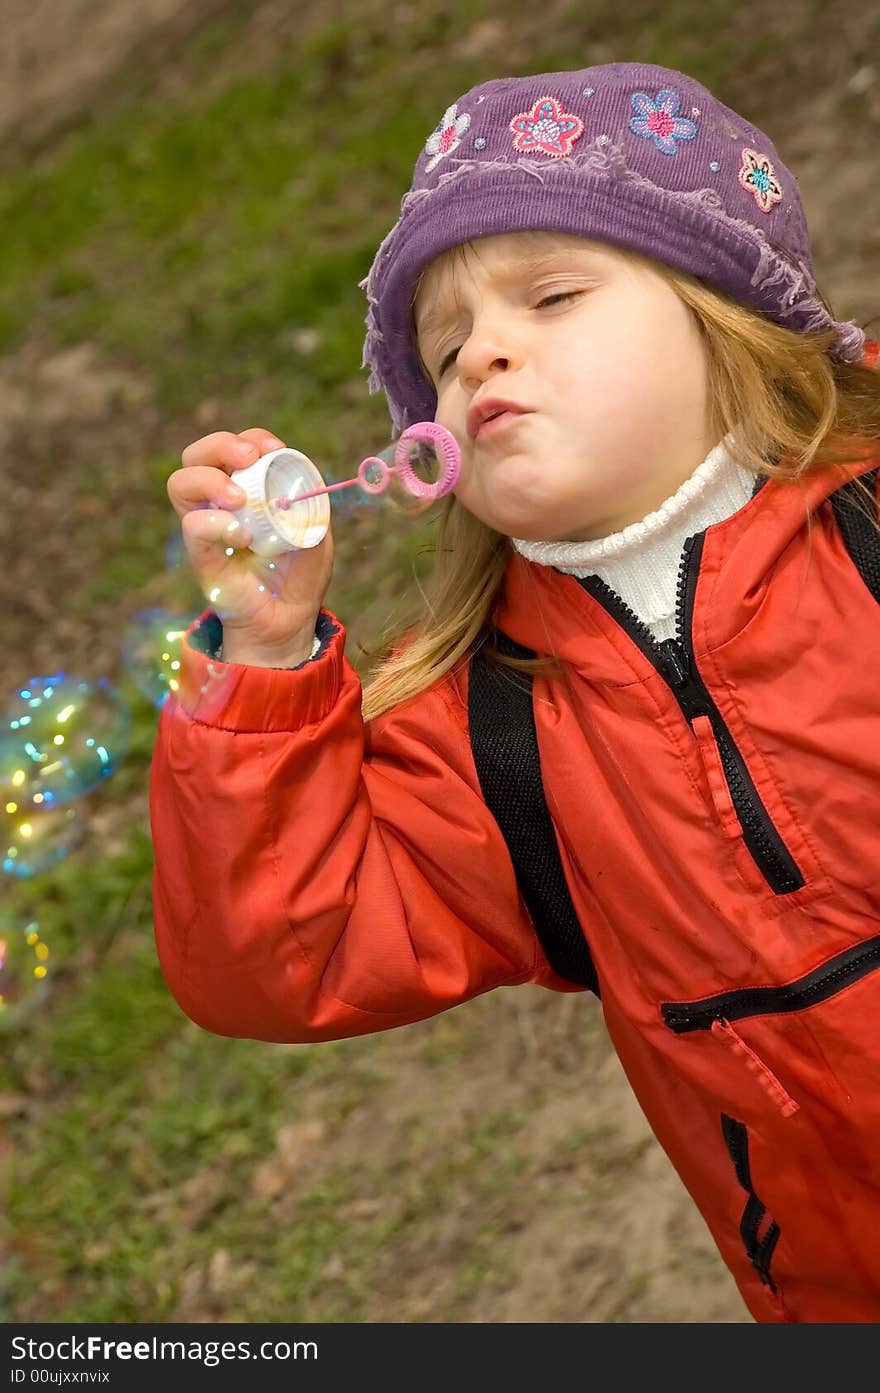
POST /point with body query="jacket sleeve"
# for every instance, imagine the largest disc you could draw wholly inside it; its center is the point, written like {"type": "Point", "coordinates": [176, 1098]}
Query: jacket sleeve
{"type": "Point", "coordinates": [316, 878]}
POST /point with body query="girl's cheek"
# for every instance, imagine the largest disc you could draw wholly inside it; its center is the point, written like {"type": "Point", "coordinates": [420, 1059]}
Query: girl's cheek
{"type": "Point", "coordinates": [446, 414]}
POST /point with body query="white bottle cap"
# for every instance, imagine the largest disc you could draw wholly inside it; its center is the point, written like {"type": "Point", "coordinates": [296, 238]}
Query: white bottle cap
{"type": "Point", "coordinates": [282, 474]}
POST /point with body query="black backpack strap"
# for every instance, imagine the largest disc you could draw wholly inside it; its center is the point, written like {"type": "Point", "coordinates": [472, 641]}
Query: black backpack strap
{"type": "Point", "coordinates": [860, 535]}
{"type": "Point", "coordinates": [505, 746]}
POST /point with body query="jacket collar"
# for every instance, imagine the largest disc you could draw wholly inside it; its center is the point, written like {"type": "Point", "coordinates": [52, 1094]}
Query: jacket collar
{"type": "Point", "coordinates": [550, 612]}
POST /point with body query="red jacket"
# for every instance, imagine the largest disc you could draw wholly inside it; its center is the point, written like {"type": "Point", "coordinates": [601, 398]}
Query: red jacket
{"type": "Point", "coordinates": [315, 879]}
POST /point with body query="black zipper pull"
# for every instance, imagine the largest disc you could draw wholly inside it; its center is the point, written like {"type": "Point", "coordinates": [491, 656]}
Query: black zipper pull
{"type": "Point", "coordinates": [677, 662]}
{"type": "Point", "coordinates": [687, 692]}
{"type": "Point", "coordinates": [676, 1017]}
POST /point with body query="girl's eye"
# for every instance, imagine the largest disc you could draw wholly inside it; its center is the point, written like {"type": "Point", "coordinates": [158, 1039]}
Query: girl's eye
{"type": "Point", "coordinates": [558, 295]}
{"type": "Point", "coordinates": [547, 300]}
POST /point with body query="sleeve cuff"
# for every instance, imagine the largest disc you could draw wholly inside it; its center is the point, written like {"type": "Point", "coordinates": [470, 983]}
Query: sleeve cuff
{"type": "Point", "coordinates": [208, 639]}
{"type": "Point", "coordinates": [236, 696]}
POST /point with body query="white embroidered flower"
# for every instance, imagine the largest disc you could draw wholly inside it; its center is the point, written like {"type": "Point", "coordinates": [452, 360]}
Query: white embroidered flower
{"type": "Point", "coordinates": [446, 137]}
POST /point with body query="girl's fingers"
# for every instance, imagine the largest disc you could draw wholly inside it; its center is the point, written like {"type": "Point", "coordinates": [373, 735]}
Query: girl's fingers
{"type": "Point", "coordinates": [204, 498]}
{"type": "Point", "coordinates": [222, 449]}
{"type": "Point", "coordinates": [209, 535]}
{"type": "Point", "coordinates": [208, 463]}
{"type": "Point", "coordinates": [199, 485]}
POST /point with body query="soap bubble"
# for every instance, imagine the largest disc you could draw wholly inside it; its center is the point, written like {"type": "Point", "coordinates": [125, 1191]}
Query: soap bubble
{"type": "Point", "coordinates": [175, 550]}
{"type": "Point", "coordinates": [59, 737]}
{"type": "Point", "coordinates": [31, 842]}
{"type": "Point", "coordinates": [426, 464]}
{"type": "Point", "coordinates": [151, 651]}
{"type": "Point", "coordinates": [344, 503]}
{"type": "Point", "coordinates": [395, 496]}
{"type": "Point", "coordinates": [24, 971]}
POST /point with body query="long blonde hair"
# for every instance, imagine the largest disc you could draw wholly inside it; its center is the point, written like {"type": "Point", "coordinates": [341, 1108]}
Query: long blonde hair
{"type": "Point", "coordinates": [773, 384]}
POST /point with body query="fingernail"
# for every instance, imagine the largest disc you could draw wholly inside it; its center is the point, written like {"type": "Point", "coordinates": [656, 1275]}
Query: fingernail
{"type": "Point", "coordinates": [235, 494]}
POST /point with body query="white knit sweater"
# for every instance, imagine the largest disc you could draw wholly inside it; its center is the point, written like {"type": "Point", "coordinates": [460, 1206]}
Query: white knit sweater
{"type": "Point", "coordinates": [641, 562]}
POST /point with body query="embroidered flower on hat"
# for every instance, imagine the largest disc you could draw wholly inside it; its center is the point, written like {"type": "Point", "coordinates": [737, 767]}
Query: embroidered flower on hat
{"type": "Point", "coordinates": [546, 128]}
{"type": "Point", "coordinates": [447, 135]}
{"type": "Point", "coordinates": [759, 177]}
{"type": "Point", "coordinates": [657, 119]}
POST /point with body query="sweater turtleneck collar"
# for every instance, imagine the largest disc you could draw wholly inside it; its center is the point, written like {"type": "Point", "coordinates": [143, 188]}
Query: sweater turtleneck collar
{"type": "Point", "coordinates": [641, 561]}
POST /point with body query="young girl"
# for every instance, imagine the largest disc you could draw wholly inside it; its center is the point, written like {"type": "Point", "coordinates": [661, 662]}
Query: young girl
{"type": "Point", "coordinates": [665, 521]}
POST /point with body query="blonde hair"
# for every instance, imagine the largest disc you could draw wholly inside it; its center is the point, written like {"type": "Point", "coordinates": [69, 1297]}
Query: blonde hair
{"type": "Point", "coordinates": [796, 411]}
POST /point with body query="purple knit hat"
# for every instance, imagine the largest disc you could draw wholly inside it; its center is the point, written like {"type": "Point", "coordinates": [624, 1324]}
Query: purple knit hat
{"type": "Point", "coordinates": [627, 153]}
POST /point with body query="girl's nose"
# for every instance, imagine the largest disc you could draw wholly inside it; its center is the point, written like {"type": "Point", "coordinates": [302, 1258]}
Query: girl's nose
{"type": "Point", "coordinates": [483, 354]}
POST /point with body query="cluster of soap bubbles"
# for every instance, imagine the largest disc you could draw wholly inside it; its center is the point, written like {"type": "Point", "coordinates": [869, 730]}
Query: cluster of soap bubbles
{"type": "Point", "coordinates": [62, 736]}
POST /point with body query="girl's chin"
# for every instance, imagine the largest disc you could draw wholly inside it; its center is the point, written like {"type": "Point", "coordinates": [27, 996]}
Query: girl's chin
{"type": "Point", "coordinates": [523, 528]}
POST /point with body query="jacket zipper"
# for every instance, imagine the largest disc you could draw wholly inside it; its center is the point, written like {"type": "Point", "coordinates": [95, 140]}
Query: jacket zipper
{"type": "Point", "coordinates": [759, 1232]}
{"type": "Point", "coordinates": [820, 984]}
{"type": "Point", "coordinates": [674, 660]}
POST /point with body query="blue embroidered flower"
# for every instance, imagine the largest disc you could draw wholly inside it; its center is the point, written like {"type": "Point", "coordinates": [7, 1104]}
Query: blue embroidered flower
{"type": "Point", "coordinates": [657, 119]}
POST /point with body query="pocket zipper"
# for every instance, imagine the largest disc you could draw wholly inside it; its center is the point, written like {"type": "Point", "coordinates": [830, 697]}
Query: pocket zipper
{"type": "Point", "coordinates": [820, 984]}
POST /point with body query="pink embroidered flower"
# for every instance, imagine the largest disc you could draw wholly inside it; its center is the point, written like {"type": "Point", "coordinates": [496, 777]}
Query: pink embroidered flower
{"type": "Point", "coordinates": [657, 119]}
{"type": "Point", "coordinates": [759, 177]}
{"type": "Point", "coordinates": [546, 128]}
{"type": "Point", "coordinates": [447, 136]}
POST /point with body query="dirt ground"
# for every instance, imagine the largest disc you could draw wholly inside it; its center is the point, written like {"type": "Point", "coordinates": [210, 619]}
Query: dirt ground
{"type": "Point", "coordinates": [62, 57]}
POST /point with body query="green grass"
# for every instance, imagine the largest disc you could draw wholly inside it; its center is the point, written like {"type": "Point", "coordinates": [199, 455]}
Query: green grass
{"type": "Point", "coordinates": [189, 240]}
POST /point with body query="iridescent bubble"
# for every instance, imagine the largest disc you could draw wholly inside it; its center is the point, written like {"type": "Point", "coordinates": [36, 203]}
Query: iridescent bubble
{"type": "Point", "coordinates": [427, 466]}
{"type": "Point", "coordinates": [24, 972]}
{"type": "Point", "coordinates": [31, 842]}
{"type": "Point", "coordinates": [378, 500]}
{"type": "Point", "coordinates": [151, 651]}
{"type": "Point", "coordinates": [396, 496]}
{"type": "Point", "coordinates": [206, 701]}
{"type": "Point", "coordinates": [175, 551]}
{"type": "Point", "coordinates": [345, 502]}
{"type": "Point", "coordinates": [59, 737]}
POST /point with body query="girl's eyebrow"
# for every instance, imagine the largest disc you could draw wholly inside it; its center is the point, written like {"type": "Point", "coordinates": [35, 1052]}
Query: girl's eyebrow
{"type": "Point", "coordinates": [506, 271]}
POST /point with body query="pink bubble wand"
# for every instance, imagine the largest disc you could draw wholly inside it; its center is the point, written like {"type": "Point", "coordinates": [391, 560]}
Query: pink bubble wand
{"type": "Point", "coordinates": [374, 474]}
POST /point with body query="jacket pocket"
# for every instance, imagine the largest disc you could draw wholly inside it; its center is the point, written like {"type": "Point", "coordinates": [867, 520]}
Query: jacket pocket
{"type": "Point", "coordinates": [740, 808]}
{"type": "Point", "coordinates": [741, 813]}
{"type": "Point", "coordinates": [716, 1014]}
{"type": "Point", "coordinates": [823, 982]}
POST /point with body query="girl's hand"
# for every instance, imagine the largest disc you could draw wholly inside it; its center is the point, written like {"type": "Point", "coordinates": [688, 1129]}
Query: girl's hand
{"type": "Point", "coordinates": [268, 605]}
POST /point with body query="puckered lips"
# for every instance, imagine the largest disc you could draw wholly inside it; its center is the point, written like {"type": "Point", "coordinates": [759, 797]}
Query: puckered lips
{"type": "Point", "coordinates": [483, 412]}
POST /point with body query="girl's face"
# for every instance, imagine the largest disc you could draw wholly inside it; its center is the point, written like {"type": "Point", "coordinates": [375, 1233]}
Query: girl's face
{"type": "Point", "coordinates": [605, 362]}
